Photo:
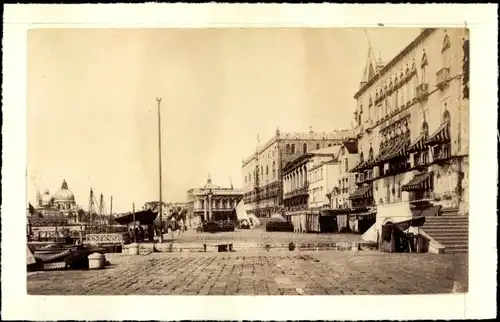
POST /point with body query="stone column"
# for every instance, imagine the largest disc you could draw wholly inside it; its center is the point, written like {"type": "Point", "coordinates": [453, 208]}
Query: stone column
{"type": "Point", "coordinates": [209, 206]}
{"type": "Point", "coordinates": [205, 205]}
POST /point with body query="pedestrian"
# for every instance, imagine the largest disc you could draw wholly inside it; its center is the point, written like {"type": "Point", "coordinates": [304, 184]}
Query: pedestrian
{"type": "Point", "coordinates": [136, 234]}
{"type": "Point", "coordinates": [141, 234]}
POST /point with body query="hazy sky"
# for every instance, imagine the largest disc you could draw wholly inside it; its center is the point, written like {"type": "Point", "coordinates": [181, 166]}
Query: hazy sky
{"type": "Point", "coordinates": [92, 116]}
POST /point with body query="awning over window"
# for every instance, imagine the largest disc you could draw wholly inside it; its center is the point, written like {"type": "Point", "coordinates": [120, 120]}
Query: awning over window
{"type": "Point", "coordinates": [398, 149]}
{"type": "Point", "coordinates": [426, 212]}
{"type": "Point", "coordinates": [418, 144]}
{"type": "Point", "coordinates": [362, 193]}
{"type": "Point", "coordinates": [442, 135]}
{"type": "Point", "coordinates": [393, 149]}
{"type": "Point", "coordinates": [419, 182]}
{"type": "Point", "coordinates": [363, 165]}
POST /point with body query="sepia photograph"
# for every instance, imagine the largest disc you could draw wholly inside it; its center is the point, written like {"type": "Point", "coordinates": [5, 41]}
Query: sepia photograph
{"type": "Point", "coordinates": [252, 161]}
{"type": "Point", "coordinates": [248, 163]}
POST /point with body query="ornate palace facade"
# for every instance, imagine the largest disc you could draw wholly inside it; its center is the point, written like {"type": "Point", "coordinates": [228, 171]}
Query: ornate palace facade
{"type": "Point", "coordinates": [263, 170]}
{"type": "Point", "coordinates": [212, 202]}
{"type": "Point", "coordinates": [412, 123]}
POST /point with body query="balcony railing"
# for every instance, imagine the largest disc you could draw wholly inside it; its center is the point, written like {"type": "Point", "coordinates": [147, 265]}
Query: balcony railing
{"type": "Point", "coordinates": [422, 91]}
{"type": "Point", "coordinates": [442, 152]}
{"type": "Point", "coordinates": [442, 77]}
{"type": "Point", "coordinates": [297, 192]}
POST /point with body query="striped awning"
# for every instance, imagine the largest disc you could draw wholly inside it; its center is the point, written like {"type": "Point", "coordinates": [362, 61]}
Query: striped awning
{"type": "Point", "coordinates": [362, 193]}
{"type": "Point", "coordinates": [418, 144]}
{"type": "Point", "coordinates": [442, 134]}
{"type": "Point", "coordinates": [395, 149]}
{"type": "Point", "coordinates": [426, 212]}
{"type": "Point", "coordinates": [363, 165]}
{"type": "Point", "coordinates": [419, 182]}
{"type": "Point", "coordinates": [399, 149]}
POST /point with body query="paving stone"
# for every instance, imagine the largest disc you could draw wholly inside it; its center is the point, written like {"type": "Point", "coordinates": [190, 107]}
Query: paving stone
{"type": "Point", "coordinates": [269, 273]}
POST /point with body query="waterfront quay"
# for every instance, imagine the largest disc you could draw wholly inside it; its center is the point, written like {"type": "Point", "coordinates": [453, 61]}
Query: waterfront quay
{"type": "Point", "coordinates": [261, 273]}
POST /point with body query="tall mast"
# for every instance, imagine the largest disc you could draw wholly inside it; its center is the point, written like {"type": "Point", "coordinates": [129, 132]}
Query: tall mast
{"type": "Point", "coordinates": [158, 99]}
{"type": "Point", "coordinates": [91, 204]}
{"type": "Point", "coordinates": [101, 204]}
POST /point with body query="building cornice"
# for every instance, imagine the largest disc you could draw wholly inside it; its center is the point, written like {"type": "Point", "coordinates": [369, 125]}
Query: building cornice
{"type": "Point", "coordinates": [417, 41]}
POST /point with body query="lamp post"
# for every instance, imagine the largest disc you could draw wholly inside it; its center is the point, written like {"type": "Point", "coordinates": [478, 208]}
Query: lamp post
{"type": "Point", "coordinates": [158, 99]}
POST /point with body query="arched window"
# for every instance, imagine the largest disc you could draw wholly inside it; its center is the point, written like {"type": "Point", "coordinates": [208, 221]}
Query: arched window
{"type": "Point", "coordinates": [425, 127]}
{"type": "Point", "coordinates": [403, 88]}
{"type": "Point", "coordinates": [446, 116]}
{"type": "Point", "coordinates": [274, 169]}
{"type": "Point", "coordinates": [370, 154]}
{"type": "Point", "coordinates": [370, 101]}
{"type": "Point", "coordinates": [304, 148]}
{"type": "Point", "coordinates": [267, 170]}
{"type": "Point", "coordinates": [293, 148]}
{"type": "Point", "coordinates": [346, 165]}
{"type": "Point", "coordinates": [445, 52]}
{"type": "Point", "coordinates": [423, 68]}
{"type": "Point", "coordinates": [409, 92]}
{"type": "Point", "coordinates": [396, 92]}
{"type": "Point", "coordinates": [261, 171]}
{"type": "Point", "coordinates": [329, 145]}
{"type": "Point", "coordinates": [317, 146]}
{"type": "Point", "coordinates": [361, 157]}
{"type": "Point", "coordinates": [288, 149]}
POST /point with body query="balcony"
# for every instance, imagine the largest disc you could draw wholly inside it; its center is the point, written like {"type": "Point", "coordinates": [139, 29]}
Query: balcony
{"type": "Point", "coordinates": [442, 152]}
{"type": "Point", "coordinates": [422, 91]}
{"type": "Point", "coordinates": [442, 78]}
{"type": "Point", "coordinates": [297, 192]}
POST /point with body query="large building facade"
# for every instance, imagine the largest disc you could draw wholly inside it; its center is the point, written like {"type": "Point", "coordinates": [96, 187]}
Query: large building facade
{"type": "Point", "coordinates": [345, 183]}
{"type": "Point", "coordinates": [263, 170]}
{"type": "Point", "coordinates": [306, 181]}
{"type": "Point", "coordinates": [412, 123]}
{"type": "Point", "coordinates": [212, 203]}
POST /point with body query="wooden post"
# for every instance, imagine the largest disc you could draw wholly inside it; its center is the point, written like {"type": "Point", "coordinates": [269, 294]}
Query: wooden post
{"type": "Point", "coordinates": [133, 218]}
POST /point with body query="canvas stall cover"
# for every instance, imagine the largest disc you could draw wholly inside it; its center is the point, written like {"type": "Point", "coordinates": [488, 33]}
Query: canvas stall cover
{"type": "Point", "coordinates": [241, 211]}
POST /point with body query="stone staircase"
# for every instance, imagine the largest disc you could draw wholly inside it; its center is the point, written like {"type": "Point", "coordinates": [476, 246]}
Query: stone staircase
{"type": "Point", "coordinates": [451, 231]}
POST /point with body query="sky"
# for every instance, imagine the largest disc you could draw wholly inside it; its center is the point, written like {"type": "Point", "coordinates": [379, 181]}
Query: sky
{"type": "Point", "coordinates": [92, 109]}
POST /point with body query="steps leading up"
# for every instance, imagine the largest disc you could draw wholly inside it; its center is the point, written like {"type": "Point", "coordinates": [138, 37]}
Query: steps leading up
{"type": "Point", "coordinates": [451, 231]}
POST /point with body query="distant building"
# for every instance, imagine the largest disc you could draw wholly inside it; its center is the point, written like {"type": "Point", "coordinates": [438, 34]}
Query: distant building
{"type": "Point", "coordinates": [263, 170]}
{"type": "Point", "coordinates": [61, 205]}
{"type": "Point", "coordinates": [305, 183]}
{"type": "Point", "coordinates": [345, 183]}
{"type": "Point", "coordinates": [211, 203]}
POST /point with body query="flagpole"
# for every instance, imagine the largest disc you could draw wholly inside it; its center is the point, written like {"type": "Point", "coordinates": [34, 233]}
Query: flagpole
{"type": "Point", "coordinates": [158, 99]}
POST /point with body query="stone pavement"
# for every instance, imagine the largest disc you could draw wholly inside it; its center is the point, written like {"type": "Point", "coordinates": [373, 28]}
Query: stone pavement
{"type": "Point", "coordinates": [262, 273]}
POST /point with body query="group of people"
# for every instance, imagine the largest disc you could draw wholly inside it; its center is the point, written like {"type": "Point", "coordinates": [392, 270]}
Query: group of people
{"type": "Point", "coordinates": [139, 234]}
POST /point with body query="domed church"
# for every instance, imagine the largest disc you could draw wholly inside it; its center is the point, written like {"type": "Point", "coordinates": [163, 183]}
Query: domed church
{"type": "Point", "coordinates": [62, 202]}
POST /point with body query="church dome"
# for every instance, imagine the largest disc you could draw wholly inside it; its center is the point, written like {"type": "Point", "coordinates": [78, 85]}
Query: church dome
{"type": "Point", "coordinates": [64, 194]}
